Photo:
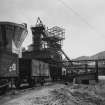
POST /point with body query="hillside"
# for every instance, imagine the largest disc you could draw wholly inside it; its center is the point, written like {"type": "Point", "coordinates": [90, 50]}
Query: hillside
{"type": "Point", "coordinates": [100, 55]}
{"type": "Point", "coordinates": [82, 58]}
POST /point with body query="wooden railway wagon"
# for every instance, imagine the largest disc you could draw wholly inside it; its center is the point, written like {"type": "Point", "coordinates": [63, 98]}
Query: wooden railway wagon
{"type": "Point", "coordinates": [31, 71]}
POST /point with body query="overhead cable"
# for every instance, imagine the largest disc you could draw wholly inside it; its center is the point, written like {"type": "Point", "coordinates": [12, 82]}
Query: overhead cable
{"type": "Point", "coordinates": [77, 14]}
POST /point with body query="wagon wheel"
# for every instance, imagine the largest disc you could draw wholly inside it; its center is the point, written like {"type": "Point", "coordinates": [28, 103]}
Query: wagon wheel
{"type": "Point", "coordinates": [42, 81]}
{"type": "Point", "coordinates": [31, 82]}
{"type": "Point", "coordinates": [17, 83]}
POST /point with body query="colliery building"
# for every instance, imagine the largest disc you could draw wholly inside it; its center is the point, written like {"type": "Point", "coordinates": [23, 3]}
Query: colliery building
{"type": "Point", "coordinates": [43, 59]}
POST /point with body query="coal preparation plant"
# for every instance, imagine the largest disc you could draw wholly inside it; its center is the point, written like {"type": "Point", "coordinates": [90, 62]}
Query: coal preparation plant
{"type": "Point", "coordinates": [43, 61]}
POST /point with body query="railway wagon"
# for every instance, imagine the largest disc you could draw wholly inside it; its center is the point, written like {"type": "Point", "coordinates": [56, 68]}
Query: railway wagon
{"type": "Point", "coordinates": [11, 37]}
{"type": "Point", "coordinates": [31, 71]}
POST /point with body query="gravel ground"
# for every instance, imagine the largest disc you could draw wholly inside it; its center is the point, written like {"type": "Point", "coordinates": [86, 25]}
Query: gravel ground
{"type": "Point", "coordinates": [59, 94]}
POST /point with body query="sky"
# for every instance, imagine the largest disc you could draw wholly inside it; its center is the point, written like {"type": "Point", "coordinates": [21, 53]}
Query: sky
{"type": "Point", "coordinates": [83, 21]}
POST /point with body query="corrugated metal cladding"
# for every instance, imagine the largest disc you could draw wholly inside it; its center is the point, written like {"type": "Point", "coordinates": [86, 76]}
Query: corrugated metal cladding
{"type": "Point", "coordinates": [11, 33]}
{"type": "Point", "coordinates": [40, 68]}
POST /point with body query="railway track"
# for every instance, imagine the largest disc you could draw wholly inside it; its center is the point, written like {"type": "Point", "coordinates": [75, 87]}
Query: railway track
{"type": "Point", "coordinates": [25, 88]}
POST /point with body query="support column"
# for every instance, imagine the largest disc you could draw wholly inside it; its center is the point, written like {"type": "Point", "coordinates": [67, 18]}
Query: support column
{"type": "Point", "coordinates": [86, 70]}
{"type": "Point", "coordinates": [96, 66]}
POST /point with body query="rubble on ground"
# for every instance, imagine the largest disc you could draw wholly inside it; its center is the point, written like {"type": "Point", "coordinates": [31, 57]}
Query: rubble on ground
{"type": "Point", "coordinates": [71, 94]}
